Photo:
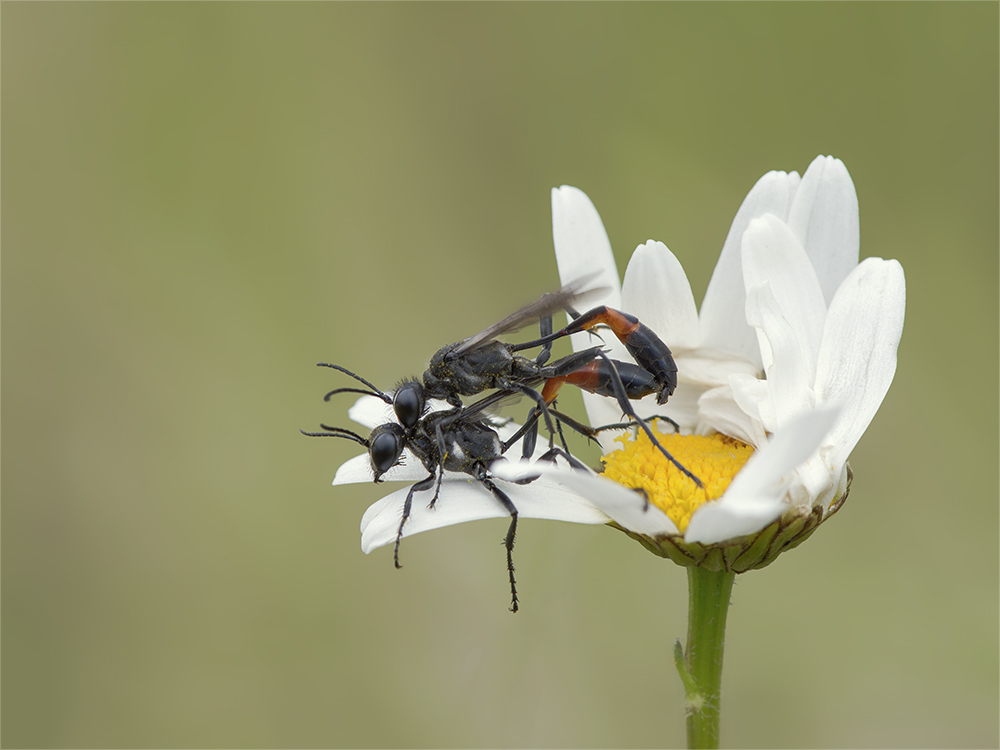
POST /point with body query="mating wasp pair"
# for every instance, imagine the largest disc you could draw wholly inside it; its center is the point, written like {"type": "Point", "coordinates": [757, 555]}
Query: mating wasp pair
{"type": "Point", "coordinates": [463, 438]}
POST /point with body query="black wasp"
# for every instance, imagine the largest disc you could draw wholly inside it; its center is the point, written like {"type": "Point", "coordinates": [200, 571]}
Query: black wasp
{"type": "Point", "coordinates": [482, 362]}
{"type": "Point", "coordinates": [462, 439]}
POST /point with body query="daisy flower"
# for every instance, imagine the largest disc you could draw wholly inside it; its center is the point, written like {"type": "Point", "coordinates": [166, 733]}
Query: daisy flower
{"type": "Point", "coordinates": [794, 339]}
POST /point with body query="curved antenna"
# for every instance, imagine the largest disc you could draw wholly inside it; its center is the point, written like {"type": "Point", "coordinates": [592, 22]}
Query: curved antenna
{"type": "Point", "coordinates": [338, 432]}
{"type": "Point", "coordinates": [352, 390]}
{"type": "Point", "coordinates": [375, 390]}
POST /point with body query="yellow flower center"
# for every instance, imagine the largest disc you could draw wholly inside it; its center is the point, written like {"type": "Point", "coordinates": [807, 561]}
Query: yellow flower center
{"type": "Point", "coordinates": [640, 465]}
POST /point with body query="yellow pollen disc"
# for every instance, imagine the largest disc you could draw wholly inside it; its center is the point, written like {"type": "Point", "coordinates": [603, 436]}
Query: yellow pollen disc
{"type": "Point", "coordinates": [640, 465]}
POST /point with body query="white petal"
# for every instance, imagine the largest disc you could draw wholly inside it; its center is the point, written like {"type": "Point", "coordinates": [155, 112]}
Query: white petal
{"type": "Point", "coordinates": [656, 290]}
{"type": "Point", "coordinates": [722, 322]}
{"type": "Point", "coordinates": [682, 406]}
{"type": "Point", "coordinates": [814, 481]}
{"type": "Point", "coordinates": [753, 500]}
{"type": "Point", "coordinates": [354, 471]}
{"type": "Point", "coordinates": [721, 413]}
{"type": "Point", "coordinates": [582, 246]}
{"type": "Point", "coordinates": [359, 469]}
{"type": "Point", "coordinates": [602, 410]}
{"type": "Point", "coordinates": [772, 254]}
{"type": "Point", "coordinates": [789, 375]}
{"type": "Point", "coordinates": [824, 216]}
{"type": "Point", "coordinates": [583, 249]}
{"type": "Point", "coordinates": [753, 396]}
{"type": "Point", "coordinates": [711, 366]}
{"type": "Point", "coordinates": [857, 360]}
{"type": "Point", "coordinates": [467, 500]}
{"type": "Point", "coordinates": [623, 505]}
{"type": "Point", "coordinates": [716, 522]}
{"type": "Point", "coordinates": [371, 411]}
{"type": "Point", "coordinates": [789, 447]}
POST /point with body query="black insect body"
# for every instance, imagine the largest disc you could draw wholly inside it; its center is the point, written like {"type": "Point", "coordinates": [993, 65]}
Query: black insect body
{"type": "Point", "coordinates": [458, 371]}
{"type": "Point", "coordinates": [606, 377]}
{"type": "Point", "coordinates": [471, 445]}
{"type": "Point", "coordinates": [481, 363]}
{"type": "Point", "coordinates": [654, 356]}
{"type": "Point", "coordinates": [462, 439]}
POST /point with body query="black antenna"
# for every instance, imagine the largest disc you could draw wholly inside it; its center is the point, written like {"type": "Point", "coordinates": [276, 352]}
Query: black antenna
{"type": "Point", "coordinates": [374, 392]}
{"type": "Point", "coordinates": [338, 432]}
{"type": "Point", "coordinates": [353, 390]}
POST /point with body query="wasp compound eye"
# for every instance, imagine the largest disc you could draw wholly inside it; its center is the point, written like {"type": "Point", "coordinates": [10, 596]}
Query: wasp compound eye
{"type": "Point", "coordinates": [408, 404]}
{"type": "Point", "coordinates": [386, 447]}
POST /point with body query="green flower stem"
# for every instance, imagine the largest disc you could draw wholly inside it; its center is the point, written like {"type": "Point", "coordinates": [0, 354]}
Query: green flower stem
{"type": "Point", "coordinates": [700, 666]}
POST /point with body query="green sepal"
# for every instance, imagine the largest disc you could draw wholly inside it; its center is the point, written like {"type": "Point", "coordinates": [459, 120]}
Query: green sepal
{"type": "Point", "coordinates": [740, 554]}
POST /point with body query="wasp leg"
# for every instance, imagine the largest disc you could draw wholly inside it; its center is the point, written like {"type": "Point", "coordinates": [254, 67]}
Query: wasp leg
{"type": "Point", "coordinates": [622, 398]}
{"type": "Point", "coordinates": [626, 425]}
{"type": "Point", "coordinates": [641, 341]}
{"type": "Point", "coordinates": [423, 484]}
{"type": "Point", "coordinates": [554, 375]}
{"type": "Point", "coordinates": [442, 455]}
{"type": "Point", "coordinates": [606, 380]}
{"type": "Point", "coordinates": [544, 329]}
{"type": "Point", "coordinates": [542, 407]}
{"type": "Point", "coordinates": [532, 420]}
{"type": "Point", "coordinates": [483, 476]}
{"type": "Point", "coordinates": [551, 455]}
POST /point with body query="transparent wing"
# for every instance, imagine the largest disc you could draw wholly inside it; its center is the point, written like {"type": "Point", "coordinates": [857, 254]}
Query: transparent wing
{"type": "Point", "coordinates": [568, 296]}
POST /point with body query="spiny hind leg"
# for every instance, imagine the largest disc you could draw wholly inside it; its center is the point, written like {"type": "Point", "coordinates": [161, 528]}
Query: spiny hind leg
{"type": "Point", "coordinates": [508, 542]}
{"type": "Point", "coordinates": [423, 484]}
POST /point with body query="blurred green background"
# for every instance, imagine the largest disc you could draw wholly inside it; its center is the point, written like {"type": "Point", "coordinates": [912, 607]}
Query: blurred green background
{"type": "Point", "coordinates": [201, 201]}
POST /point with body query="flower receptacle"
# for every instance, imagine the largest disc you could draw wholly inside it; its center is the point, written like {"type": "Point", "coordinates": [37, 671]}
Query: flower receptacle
{"type": "Point", "coordinates": [740, 554]}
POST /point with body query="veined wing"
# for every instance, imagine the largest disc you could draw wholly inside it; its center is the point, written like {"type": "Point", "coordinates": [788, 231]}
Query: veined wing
{"type": "Point", "coordinates": [548, 304]}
